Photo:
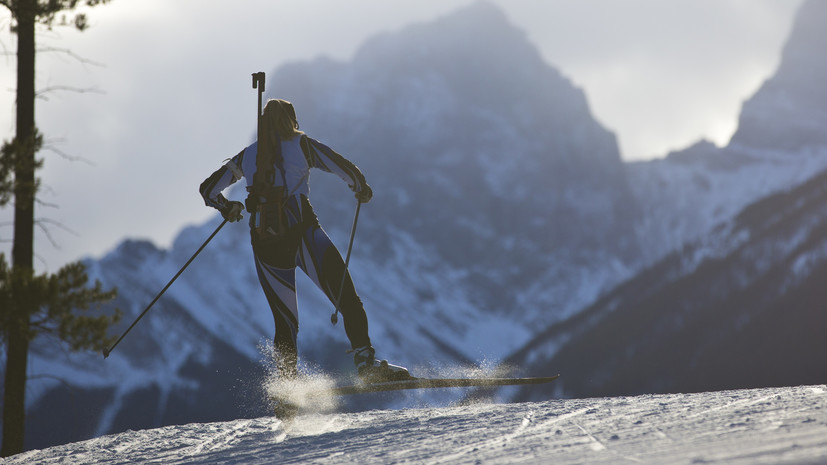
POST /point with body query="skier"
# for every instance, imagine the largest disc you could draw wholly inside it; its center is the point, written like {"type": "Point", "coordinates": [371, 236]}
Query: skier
{"type": "Point", "coordinates": [285, 233]}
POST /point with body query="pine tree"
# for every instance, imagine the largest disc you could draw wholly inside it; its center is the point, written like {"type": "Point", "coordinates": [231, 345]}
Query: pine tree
{"type": "Point", "coordinates": [32, 304]}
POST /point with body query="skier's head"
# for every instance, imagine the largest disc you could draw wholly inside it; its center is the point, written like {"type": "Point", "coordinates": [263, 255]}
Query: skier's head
{"type": "Point", "coordinates": [280, 117]}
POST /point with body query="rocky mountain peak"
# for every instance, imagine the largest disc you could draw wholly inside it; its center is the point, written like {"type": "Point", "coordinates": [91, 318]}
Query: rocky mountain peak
{"type": "Point", "coordinates": [789, 112]}
{"type": "Point", "coordinates": [458, 121]}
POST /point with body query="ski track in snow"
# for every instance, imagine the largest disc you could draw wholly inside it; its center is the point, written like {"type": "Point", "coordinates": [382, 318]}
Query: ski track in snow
{"type": "Point", "coordinates": [756, 426]}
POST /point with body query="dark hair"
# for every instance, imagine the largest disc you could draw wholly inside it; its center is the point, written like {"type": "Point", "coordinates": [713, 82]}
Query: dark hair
{"type": "Point", "coordinates": [280, 117]}
{"type": "Point", "coordinates": [278, 124]}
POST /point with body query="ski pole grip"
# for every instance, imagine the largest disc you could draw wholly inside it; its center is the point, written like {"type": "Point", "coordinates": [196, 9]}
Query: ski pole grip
{"type": "Point", "coordinates": [258, 81]}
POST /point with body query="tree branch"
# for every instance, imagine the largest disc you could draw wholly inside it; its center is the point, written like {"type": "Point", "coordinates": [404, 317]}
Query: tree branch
{"type": "Point", "coordinates": [45, 188]}
{"type": "Point", "coordinates": [42, 222]}
{"type": "Point", "coordinates": [66, 156]}
{"type": "Point", "coordinates": [80, 90]}
{"type": "Point", "coordinates": [58, 224]}
{"type": "Point", "coordinates": [3, 44]}
{"type": "Point", "coordinates": [45, 204]}
{"type": "Point", "coordinates": [41, 260]}
{"type": "Point", "coordinates": [71, 54]}
{"type": "Point", "coordinates": [48, 235]}
{"type": "Point", "coordinates": [41, 325]}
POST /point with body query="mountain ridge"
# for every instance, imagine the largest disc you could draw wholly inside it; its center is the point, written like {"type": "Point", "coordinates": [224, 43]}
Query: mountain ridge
{"type": "Point", "coordinates": [788, 111]}
{"type": "Point", "coordinates": [738, 298]}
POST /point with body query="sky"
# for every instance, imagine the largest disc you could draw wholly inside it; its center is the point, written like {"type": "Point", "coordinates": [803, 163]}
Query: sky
{"type": "Point", "coordinates": [147, 102]}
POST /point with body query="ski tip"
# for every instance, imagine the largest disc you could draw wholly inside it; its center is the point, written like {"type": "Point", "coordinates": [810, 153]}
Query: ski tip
{"type": "Point", "coordinates": [105, 354]}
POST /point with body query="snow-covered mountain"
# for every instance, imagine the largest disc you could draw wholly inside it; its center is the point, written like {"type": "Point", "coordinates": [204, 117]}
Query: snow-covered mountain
{"type": "Point", "coordinates": [779, 143]}
{"type": "Point", "coordinates": [744, 306]}
{"type": "Point", "coordinates": [789, 112]}
{"type": "Point", "coordinates": [481, 152]}
{"type": "Point", "coordinates": [735, 305]}
{"type": "Point", "coordinates": [501, 208]}
{"type": "Point", "coordinates": [689, 193]}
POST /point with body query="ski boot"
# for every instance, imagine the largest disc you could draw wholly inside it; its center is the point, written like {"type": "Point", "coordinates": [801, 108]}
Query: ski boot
{"type": "Point", "coordinates": [371, 370]}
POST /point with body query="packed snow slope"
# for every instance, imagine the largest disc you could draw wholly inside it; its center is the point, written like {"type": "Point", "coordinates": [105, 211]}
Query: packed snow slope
{"type": "Point", "coordinates": [773, 426]}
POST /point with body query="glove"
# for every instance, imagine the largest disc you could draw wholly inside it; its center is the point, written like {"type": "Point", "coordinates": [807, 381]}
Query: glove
{"type": "Point", "coordinates": [232, 211]}
{"type": "Point", "coordinates": [365, 194]}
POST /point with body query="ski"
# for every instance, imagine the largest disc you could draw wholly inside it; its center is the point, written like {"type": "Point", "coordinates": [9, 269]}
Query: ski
{"type": "Point", "coordinates": [430, 383]}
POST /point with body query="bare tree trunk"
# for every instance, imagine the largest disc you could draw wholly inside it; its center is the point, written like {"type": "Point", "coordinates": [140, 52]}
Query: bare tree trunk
{"type": "Point", "coordinates": [13, 399]}
{"type": "Point", "coordinates": [14, 403]}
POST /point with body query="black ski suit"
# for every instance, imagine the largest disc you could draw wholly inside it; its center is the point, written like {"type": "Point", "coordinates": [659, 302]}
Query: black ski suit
{"type": "Point", "coordinates": [305, 244]}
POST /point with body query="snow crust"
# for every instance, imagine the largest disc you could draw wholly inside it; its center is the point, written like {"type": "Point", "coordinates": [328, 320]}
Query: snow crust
{"type": "Point", "coordinates": [757, 426]}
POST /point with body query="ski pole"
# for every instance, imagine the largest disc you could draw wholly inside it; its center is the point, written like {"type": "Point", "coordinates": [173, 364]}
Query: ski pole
{"type": "Point", "coordinates": [258, 83]}
{"type": "Point", "coordinates": [106, 352]}
{"type": "Point", "coordinates": [334, 318]}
